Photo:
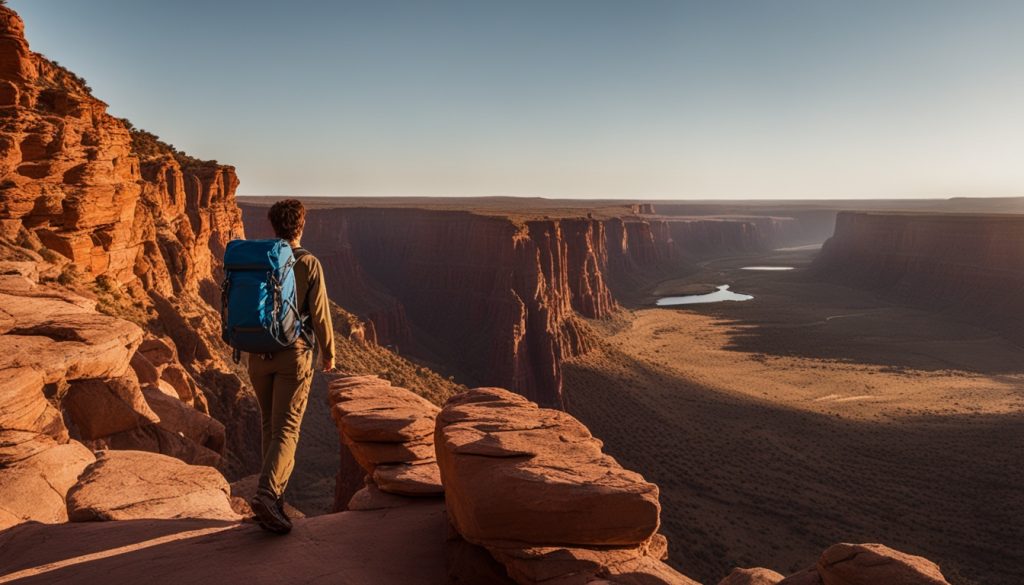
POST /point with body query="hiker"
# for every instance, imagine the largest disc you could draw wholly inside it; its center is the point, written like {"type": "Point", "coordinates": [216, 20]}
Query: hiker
{"type": "Point", "coordinates": [281, 358]}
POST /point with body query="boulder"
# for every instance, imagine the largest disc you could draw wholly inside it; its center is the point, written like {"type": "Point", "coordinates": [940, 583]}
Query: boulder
{"type": "Point", "coordinates": [532, 487]}
{"type": "Point", "coordinates": [131, 485]}
{"type": "Point", "coordinates": [34, 488]}
{"type": "Point", "coordinates": [178, 417]}
{"type": "Point", "coordinates": [754, 576]}
{"type": "Point", "coordinates": [567, 492]}
{"type": "Point", "coordinates": [100, 407]}
{"type": "Point", "coordinates": [869, 564]}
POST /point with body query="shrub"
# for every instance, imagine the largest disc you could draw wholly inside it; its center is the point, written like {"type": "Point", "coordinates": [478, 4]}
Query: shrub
{"type": "Point", "coordinates": [69, 275]}
{"type": "Point", "coordinates": [49, 255]}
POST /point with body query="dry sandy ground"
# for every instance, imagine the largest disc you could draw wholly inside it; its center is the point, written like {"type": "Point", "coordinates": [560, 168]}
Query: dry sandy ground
{"type": "Point", "coordinates": [811, 415]}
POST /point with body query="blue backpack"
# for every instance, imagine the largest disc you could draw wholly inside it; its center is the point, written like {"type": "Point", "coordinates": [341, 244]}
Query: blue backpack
{"type": "Point", "coordinates": [259, 311]}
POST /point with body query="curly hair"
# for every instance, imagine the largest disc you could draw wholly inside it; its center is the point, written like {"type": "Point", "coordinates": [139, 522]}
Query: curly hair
{"type": "Point", "coordinates": [288, 217]}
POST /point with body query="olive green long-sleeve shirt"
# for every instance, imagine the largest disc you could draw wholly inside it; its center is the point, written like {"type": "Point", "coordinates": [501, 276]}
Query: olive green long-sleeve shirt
{"type": "Point", "coordinates": [311, 293]}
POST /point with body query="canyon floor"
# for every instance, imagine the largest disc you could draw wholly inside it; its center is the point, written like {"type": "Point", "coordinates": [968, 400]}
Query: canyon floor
{"type": "Point", "coordinates": [813, 413]}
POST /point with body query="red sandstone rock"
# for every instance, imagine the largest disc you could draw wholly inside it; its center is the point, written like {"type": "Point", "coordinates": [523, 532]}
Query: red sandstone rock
{"type": "Point", "coordinates": [868, 564]}
{"type": "Point", "coordinates": [755, 576]}
{"type": "Point", "coordinates": [371, 497]}
{"type": "Point", "coordinates": [806, 577]}
{"type": "Point", "coordinates": [491, 441]}
{"type": "Point", "coordinates": [402, 546]}
{"type": "Point", "coordinates": [101, 407]}
{"type": "Point", "coordinates": [420, 479]}
{"type": "Point", "coordinates": [156, 439]}
{"type": "Point", "coordinates": [34, 488]}
{"type": "Point", "coordinates": [178, 417]}
{"type": "Point", "coordinates": [532, 486]}
{"type": "Point", "coordinates": [131, 485]}
{"type": "Point", "coordinates": [389, 431]}
{"type": "Point", "coordinates": [122, 210]}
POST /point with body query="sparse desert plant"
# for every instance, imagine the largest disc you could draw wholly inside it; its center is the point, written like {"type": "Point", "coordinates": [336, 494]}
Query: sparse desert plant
{"type": "Point", "coordinates": [50, 256]}
{"type": "Point", "coordinates": [69, 275]}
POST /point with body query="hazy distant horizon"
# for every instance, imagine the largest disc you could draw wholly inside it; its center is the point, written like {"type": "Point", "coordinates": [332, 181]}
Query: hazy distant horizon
{"type": "Point", "coordinates": [655, 100]}
{"type": "Point", "coordinates": [638, 199]}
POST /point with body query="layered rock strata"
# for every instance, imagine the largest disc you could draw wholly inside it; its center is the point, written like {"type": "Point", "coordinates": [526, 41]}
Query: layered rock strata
{"type": "Point", "coordinates": [129, 220]}
{"type": "Point", "coordinates": [503, 297]}
{"type": "Point", "coordinates": [968, 265]}
{"type": "Point", "coordinates": [533, 487]}
{"type": "Point", "coordinates": [389, 432]}
{"type": "Point", "coordinates": [70, 383]}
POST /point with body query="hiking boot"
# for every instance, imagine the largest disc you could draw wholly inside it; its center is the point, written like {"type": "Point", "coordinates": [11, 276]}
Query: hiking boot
{"type": "Point", "coordinates": [280, 508]}
{"type": "Point", "coordinates": [268, 515]}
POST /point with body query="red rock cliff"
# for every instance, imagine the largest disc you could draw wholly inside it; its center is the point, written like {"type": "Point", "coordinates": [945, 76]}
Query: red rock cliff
{"type": "Point", "coordinates": [499, 298]}
{"type": "Point", "coordinates": [971, 265]}
{"type": "Point", "coordinates": [130, 214]}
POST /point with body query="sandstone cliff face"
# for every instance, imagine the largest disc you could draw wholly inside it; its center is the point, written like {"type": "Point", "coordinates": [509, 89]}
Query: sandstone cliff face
{"type": "Point", "coordinates": [502, 297]}
{"type": "Point", "coordinates": [969, 265]}
{"type": "Point", "coordinates": [124, 218]}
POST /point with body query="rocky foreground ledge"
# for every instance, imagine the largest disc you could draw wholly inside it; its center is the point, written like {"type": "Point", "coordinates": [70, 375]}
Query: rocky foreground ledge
{"type": "Point", "coordinates": [488, 489]}
{"type": "Point", "coordinates": [531, 498]}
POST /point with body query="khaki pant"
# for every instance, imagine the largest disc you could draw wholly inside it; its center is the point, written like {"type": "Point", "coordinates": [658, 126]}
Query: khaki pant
{"type": "Point", "coordinates": [282, 385]}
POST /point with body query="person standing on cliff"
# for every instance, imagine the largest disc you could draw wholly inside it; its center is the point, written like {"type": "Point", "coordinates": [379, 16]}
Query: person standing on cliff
{"type": "Point", "coordinates": [282, 379]}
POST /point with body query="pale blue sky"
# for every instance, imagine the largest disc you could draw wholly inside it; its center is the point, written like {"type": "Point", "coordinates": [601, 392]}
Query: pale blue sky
{"type": "Point", "coordinates": [741, 99]}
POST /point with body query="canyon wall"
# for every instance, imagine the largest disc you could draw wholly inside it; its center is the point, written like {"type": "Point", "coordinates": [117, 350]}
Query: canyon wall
{"type": "Point", "coordinates": [968, 265]}
{"type": "Point", "coordinates": [113, 214]}
{"type": "Point", "coordinates": [502, 298]}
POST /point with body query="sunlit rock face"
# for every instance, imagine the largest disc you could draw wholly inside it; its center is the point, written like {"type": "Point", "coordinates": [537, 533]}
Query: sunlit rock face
{"type": "Point", "coordinates": [109, 210]}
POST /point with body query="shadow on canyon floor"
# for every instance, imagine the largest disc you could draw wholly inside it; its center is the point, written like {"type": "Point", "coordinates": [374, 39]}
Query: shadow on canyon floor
{"type": "Point", "coordinates": [748, 483]}
{"type": "Point", "coordinates": [811, 415]}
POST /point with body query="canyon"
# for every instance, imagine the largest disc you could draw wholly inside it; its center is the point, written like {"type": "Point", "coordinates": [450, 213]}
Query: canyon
{"type": "Point", "coordinates": [502, 296]}
{"type": "Point", "coordinates": [512, 409]}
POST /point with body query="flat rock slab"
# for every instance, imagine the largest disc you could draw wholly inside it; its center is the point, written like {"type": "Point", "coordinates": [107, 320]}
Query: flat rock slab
{"type": "Point", "coordinates": [130, 485]}
{"type": "Point", "coordinates": [401, 546]}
